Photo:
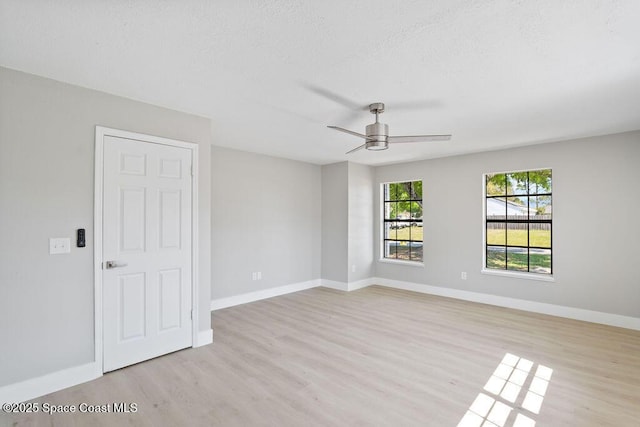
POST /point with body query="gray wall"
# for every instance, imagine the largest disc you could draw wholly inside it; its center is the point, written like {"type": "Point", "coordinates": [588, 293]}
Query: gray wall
{"type": "Point", "coordinates": [595, 230]}
{"type": "Point", "coordinates": [347, 222]}
{"type": "Point", "coordinates": [360, 219]}
{"type": "Point", "coordinates": [335, 222]}
{"type": "Point", "coordinates": [266, 217]}
{"type": "Point", "coordinates": [47, 137]}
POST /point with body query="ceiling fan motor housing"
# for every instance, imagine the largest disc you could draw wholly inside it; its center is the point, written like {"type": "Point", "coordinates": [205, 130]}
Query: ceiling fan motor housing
{"type": "Point", "coordinates": [378, 134]}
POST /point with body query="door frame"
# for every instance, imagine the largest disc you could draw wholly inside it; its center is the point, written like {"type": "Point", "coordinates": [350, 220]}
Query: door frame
{"type": "Point", "coordinates": [101, 133]}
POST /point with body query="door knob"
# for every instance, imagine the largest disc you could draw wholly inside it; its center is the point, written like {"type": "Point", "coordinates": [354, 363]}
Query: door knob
{"type": "Point", "coordinates": [114, 264]}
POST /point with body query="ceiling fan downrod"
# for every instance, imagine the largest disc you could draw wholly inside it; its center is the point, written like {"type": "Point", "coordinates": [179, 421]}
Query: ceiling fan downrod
{"type": "Point", "coordinates": [377, 133]}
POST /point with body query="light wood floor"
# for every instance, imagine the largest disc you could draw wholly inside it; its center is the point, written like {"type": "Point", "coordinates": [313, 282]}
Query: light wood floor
{"type": "Point", "coordinates": [376, 356]}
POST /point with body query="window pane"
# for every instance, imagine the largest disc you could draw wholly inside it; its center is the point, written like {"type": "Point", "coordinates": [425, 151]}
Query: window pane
{"type": "Point", "coordinates": [496, 208]}
{"type": "Point", "coordinates": [517, 207]}
{"type": "Point", "coordinates": [517, 183]}
{"type": "Point", "coordinates": [416, 232]}
{"type": "Point", "coordinates": [517, 259]}
{"type": "Point", "coordinates": [410, 233]}
{"type": "Point", "coordinates": [404, 210]}
{"type": "Point", "coordinates": [540, 207]}
{"type": "Point", "coordinates": [393, 191]}
{"type": "Point", "coordinates": [404, 190]}
{"type": "Point", "coordinates": [415, 210]}
{"type": "Point", "coordinates": [540, 181]}
{"type": "Point", "coordinates": [540, 261]}
{"type": "Point", "coordinates": [517, 234]}
{"type": "Point", "coordinates": [403, 251]}
{"type": "Point", "coordinates": [496, 257]}
{"type": "Point", "coordinates": [416, 188]}
{"type": "Point", "coordinates": [416, 251]}
{"type": "Point", "coordinates": [540, 235]}
{"type": "Point", "coordinates": [496, 185]}
{"type": "Point", "coordinates": [496, 233]}
{"type": "Point", "coordinates": [389, 249]}
{"type": "Point", "coordinates": [390, 230]}
{"type": "Point", "coordinates": [390, 210]}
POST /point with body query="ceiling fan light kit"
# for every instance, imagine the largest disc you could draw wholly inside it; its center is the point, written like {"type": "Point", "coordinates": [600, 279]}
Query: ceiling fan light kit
{"type": "Point", "coordinates": [377, 134]}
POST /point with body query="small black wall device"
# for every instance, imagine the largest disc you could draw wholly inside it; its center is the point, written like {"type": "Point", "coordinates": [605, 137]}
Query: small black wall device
{"type": "Point", "coordinates": [80, 241]}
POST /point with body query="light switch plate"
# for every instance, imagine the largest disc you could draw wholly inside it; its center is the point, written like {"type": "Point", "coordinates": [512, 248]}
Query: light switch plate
{"type": "Point", "coordinates": [59, 245]}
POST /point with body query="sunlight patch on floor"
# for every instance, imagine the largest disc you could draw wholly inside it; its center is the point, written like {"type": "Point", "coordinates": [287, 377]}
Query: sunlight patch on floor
{"type": "Point", "coordinates": [503, 402]}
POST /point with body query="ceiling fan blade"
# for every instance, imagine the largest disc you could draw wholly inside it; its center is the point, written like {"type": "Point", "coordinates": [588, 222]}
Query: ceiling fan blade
{"type": "Point", "coordinates": [338, 99]}
{"type": "Point", "coordinates": [425, 104]}
{"type": "Point", "coordinates": [419, 138]}
{"type": "Point", "coordinates": [350, 132]}
{"type": "Point", "coordinates": [355, 149]}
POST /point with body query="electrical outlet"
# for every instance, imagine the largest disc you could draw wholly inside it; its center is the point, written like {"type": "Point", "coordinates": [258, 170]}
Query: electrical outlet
{"type": "Point", "coordinates": [254, 276]}
{"type": "Point", "coordinates": [353, 268]}
{"type": "Point", "coordinates": [259, 274]}
{"type": "Point", "coordinates": [463, 275]}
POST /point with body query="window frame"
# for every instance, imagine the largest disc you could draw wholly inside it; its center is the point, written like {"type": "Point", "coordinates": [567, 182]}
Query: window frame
{"type": "Point", "coordinates": [384, 221]}
{"type": "Point", "coordinates": [546, 277]}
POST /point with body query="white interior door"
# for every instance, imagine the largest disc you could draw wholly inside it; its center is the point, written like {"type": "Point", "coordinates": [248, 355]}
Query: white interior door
{"type": "Point", "coordinates": [146, 276]}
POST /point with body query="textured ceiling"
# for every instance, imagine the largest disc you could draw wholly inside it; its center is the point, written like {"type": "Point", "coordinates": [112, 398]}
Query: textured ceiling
{"type": "Point", "coordinates": [272, 74]}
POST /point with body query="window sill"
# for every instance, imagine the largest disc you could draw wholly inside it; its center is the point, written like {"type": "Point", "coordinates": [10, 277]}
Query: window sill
{"type": "Point", "coordinates": [518, 275]}
{"type": "Point", "coordinates": [397, 262]}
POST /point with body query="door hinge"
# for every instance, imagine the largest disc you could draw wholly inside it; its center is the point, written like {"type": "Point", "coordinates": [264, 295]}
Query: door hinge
{"type": "Point", "coordinates": [191, 314]}
{"type": "Point", "coordinates": [191, 170]}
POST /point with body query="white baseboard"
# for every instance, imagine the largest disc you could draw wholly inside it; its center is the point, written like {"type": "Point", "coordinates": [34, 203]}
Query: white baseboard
{"type": "Point", "coordinates": [519, 304]}
{"type": "Point", "coordinates": [220, 303]}
{"type": "Point", "coordinates": [332, 284]}
{"type": "Point", "coordinates": [204, 338]}
{"type": "Point", "coordinates": [347, 287]}
{"type": "Point", "coordinates": [354, 286]}
{"type": "Point", "coordinates": [39, 386]}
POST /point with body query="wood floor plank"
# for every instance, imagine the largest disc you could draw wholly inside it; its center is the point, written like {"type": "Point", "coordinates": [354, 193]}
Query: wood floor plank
{"type": "Point", "coordinates": [374, 357]}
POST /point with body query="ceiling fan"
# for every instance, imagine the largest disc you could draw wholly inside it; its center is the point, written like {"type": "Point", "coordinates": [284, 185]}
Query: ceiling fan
{"type": "Point", "coordinates": [377, 134]}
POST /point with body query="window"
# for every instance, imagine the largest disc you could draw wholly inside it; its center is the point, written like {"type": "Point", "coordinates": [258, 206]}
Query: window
{"type": "Point", "coordinates": [518, 221]}
{"type": "Point", "coordinates": [402, 224]}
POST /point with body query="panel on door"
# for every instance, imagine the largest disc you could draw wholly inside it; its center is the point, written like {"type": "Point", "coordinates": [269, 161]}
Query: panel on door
{"type": "Point", "coordinates": [147, 284]}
